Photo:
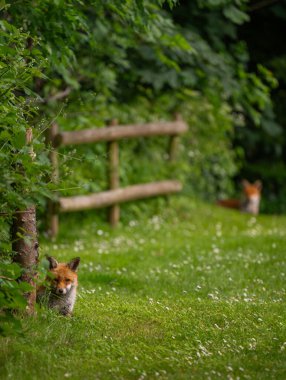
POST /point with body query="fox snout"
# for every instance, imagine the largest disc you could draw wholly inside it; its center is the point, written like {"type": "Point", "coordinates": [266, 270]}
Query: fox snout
{"type": "Point", "coordinates": [63, 288]}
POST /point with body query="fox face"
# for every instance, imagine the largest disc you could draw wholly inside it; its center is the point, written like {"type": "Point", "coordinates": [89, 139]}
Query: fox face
{"type": "Point", "coordinates": [63, 276]}
{"type": "Point", "coordinates": [251, 196]}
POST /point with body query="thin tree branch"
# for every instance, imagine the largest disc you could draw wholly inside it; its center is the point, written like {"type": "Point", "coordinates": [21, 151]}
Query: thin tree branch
{"type": "Point", "coordinates": [262, 4]}
{"type": "Point", "coordinates": [7, 278]}
{"type": "Point", "coordinates": [59, 95]}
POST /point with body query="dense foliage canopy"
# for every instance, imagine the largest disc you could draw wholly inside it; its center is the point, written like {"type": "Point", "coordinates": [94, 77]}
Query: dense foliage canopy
{"type": "Point", "coordinates": [83, 63]}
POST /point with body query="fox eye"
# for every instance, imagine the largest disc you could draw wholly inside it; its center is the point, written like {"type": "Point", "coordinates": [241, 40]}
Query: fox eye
{"type": "Point", "coordinates": [68, 280]}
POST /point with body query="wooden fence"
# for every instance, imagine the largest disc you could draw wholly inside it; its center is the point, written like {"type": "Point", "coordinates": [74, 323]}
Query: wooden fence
{"type": "Point", "coordinates": [115, 195]}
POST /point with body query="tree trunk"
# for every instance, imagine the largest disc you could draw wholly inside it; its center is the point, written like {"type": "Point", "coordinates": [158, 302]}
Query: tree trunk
{"type": "Point", "coordinates": [25, 244]}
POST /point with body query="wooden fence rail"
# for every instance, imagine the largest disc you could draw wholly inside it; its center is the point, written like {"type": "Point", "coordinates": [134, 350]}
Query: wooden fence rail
{"type": "Point", "coordinates": [120, 132]}
{"type": "Point", "coordinates": [115, 195]}
{"type": "Point", "coordinates": [110, 197]}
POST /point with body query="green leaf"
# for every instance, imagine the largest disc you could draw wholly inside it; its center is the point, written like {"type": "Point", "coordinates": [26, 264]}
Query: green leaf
{"type": "Point", "coordinates": [235, 15]}
{"type": "Point", "coordinates": [19, 140]}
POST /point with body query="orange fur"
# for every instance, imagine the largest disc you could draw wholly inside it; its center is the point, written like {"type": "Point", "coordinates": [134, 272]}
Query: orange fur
{"type": "Point", "coordinates": [250, 200]}
{"type": "Point", "coordinates": [230, 203]}
{"type": "Point", "coordinates": [60, 292]}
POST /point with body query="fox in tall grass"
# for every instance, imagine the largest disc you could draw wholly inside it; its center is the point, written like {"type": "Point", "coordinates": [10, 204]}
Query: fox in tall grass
{"type": "Point", "coordinates": [250, 201]}
{"type": "Point", "coordinates": [61, 286]}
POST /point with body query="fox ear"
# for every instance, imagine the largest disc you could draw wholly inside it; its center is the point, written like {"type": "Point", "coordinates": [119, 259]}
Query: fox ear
{"type": "Point", "coordinates": [53, 262]}
{"type": "Point", "coordinates": [74, 263]}
{"type": "Point", "coordinates": [245, 183]}
{"type": "Point", "coordinates": [258, 184]}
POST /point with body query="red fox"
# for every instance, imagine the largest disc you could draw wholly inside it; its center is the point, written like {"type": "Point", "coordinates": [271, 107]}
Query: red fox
{"type": "Point", "coordinates": [250, 200]}
{"type": "Point", "coordinates": [60, 293]}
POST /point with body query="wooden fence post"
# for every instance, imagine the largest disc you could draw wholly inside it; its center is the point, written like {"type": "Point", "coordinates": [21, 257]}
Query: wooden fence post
{"type": "Point", "coordinates": [53, 217]}
{"type": "Point", "coordinates": [113, 176]}
{"type": "Point", "coordinates": [174, 141]}
{"type": "Point", "coordinates": [25, 243]}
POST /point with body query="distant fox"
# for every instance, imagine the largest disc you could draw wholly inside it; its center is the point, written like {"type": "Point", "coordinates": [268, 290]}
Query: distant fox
{"type": "Point", "coordinates": [60, 291]}
{"type": "Point", "coordinates": [250, 200]}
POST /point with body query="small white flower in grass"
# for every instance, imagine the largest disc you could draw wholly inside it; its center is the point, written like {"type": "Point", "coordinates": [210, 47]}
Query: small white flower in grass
{"type": "Point", "coordinates": [67, 374]}
{"type": "Point", "coordinates": [251, 221]}
{"type": "Point", "coordinates": [135, 357]}
{"type": "Point", "coordinates": [252, 344]}
{"type": "Point", "coordinates": [143, 375]}
{"type": "Point", "coordinates": [213, 296]}
{"type": "Point", "coordinates": [99, 232]}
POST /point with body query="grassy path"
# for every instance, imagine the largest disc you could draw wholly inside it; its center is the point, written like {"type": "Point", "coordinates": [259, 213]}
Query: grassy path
{"type": "Point", "coordinates": [196, 293]}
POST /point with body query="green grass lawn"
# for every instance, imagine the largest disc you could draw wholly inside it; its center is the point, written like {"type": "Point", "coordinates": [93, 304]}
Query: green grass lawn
{"type": "Point", "coordinates": [196, 292]}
